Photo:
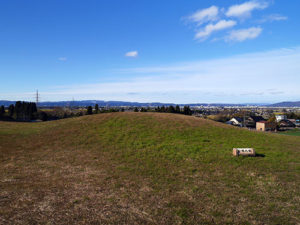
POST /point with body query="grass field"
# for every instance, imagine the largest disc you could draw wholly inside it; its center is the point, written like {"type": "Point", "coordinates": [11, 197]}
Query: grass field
{"type": "Point", "coordinates": [145, 168]}
{"type": "Point", "coordinates": [295, 132]}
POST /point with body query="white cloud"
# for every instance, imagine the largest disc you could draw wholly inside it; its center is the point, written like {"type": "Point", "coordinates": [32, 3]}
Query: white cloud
{"type": "Point", "coordinates": [210, 28]}
{"type": "Point", "coordinates": [244, 34]}
{"type": "Point", "coordinates": [205, 15]}
{"type": "Point", "coordinates": [210, 20]}
{"type": "Point", "coordinates": [272, 17]}
{"type": "Point", "coordinates": [62, 58]}
{"type": "Point", "coordinates": [205, 27]}
{"type": "Point", "coordinates": [244, 10]}
{"type": "Point", "coordinates": [132, 54]}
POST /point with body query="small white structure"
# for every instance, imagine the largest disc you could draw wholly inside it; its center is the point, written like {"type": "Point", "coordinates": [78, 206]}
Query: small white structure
{"type": "Point", "coordinates": [280, 117]}
{"type": "Point", "coordinates": [243, 152]}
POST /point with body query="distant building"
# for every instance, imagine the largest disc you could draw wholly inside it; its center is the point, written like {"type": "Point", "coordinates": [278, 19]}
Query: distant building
{"type": "Point", "coordinates": [293, 121]}
{"type": "Point", "coordinates": [252, 120]}
{"type": "Point", "coordinates": [265, 126]}
{"type": "Point", "coordinates": [236, 121]}
{"type": "Point", "coordinates": [280, 117]}
{"type": "Point", "coordinates": [286, 123]}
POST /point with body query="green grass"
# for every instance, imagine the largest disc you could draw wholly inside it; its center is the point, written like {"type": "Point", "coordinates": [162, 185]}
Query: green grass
{"type": "Point", "coordinates": [294, 132]}
{"type": "Point", "coordinates": [146, 168]}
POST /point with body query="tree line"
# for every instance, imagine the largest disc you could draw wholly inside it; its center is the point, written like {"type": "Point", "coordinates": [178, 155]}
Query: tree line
{"type": "Point", "coordinates": [167, 109]}
{"type": "Point", "coordinates": [96, 110]}
{"type": "Point", "coordinates": [27, 111]}
{"type": "Point", "coordinates": [20, 111]}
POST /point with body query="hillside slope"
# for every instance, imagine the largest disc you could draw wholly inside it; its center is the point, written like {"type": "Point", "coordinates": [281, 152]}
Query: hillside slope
{"type": "Point", "coordinates": [145, 168]}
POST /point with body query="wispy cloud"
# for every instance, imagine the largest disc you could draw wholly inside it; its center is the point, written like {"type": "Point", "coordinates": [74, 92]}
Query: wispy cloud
{"type": "Point", "coordinates": [276, 92]}
{"type": "Point", "coordinates": [210, 28]}
{"type": "Point", "coordinates": [244, 10]}
{"type": "Point", "coordinates": [204, 15]}
{"type": "Point", "coordinates": [243, 78]}
{"type": "Point", "coordinates": [254, 93]}
{"type": "Point", "coordinates": [272, 17]}
{"type": "Point", "coordinates": [132, 93]}
{"type": "Point", "coordinates": [132, 54]}
{"type": "Point", "coordinates": [244, 34]}
{"type": "Point", "coordinates": [62, 58]}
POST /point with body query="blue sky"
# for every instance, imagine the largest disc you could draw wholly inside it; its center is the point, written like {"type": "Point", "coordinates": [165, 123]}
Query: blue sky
{"type": "Point", "coordinates": [138, 50]}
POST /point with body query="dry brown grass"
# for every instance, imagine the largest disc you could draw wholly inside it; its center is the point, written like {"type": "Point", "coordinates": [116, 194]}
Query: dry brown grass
{"type": "Point", "coordinates": [144, 168]}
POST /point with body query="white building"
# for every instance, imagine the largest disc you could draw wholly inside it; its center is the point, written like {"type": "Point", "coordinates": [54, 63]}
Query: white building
{"type": "Point", "coordinates": [236, 121]}
{"type": "Point", "coordinates": [280, 117]}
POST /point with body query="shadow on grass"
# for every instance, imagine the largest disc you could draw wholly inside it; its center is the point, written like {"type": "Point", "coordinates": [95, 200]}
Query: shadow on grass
{"type": "Point", "coordinates": [259, 155]}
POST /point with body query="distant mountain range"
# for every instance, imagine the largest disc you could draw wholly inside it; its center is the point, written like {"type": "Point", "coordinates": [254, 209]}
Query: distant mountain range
{"type": "Point", "coordinates": [286, 104]}
{"type": "Point", "coordinates": [85, 103]}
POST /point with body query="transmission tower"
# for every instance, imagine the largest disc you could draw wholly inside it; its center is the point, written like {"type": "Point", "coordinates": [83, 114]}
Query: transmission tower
{"type": "Point", "coordinates": [37, 98]}
{"type": "Point", "coordinates": [73, 103]}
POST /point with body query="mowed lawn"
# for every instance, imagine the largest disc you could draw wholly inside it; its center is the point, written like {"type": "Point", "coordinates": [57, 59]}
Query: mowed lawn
{"type": "Point", "coordinates": [145, 168]}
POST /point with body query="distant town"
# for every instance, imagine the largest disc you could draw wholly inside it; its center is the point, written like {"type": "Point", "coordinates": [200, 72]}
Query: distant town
{"type": "Point", "coordinates": [272, 118]}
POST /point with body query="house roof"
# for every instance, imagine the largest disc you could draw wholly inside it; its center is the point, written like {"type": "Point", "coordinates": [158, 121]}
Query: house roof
{"type": "Point", "coordinates": [263, 121]}
{"type": "Point", "coordinates": [286, 122]}
{"type": "Point", "coordinates": [257, 118]}
{"type": "Point", "coordinates": [239, 119]}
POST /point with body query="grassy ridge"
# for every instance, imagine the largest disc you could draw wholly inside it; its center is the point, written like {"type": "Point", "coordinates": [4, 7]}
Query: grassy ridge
{"type": "Point", "coordinates": [145, 168]}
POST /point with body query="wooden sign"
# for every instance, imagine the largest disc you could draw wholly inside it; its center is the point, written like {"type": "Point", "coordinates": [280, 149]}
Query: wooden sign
{"type": "Point", "coordinates": [243, 152]}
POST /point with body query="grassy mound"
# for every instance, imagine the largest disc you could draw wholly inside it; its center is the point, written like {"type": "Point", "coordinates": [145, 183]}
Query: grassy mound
{"type": "Point", "coordinates": [145, 168]}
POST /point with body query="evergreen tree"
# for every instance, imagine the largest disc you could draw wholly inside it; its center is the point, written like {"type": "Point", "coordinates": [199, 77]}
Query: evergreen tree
{"type": "Point", "coordinates": [32, 110]}
{"type": "Point", "coordinates": [2, 111]}
{"type": "Point", "coordinates": [18, 115]}
{"type": "Point", "coordinates": [96, 108]}
{"type": "Point", "coordinates": [177, 109]}
{"type": "Point", "coordinates": [89, 110]}
{"type": "Point", "coordinates": [136, 109]}
{"type": "Point", "coordinates": [23, 111]}
{"type": "Point", "coordinates": [171, 109]}
{"type": "Point", "coordinates": [11, 110]}
{"type": "Point", "coordinates": [187, 110]}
